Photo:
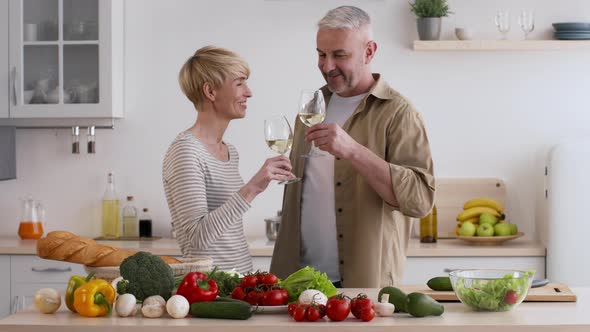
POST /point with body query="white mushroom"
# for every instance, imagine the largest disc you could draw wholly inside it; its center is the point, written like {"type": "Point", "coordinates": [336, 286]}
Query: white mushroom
{"type": "Point", "coordinates": [153, 306]}
{"type": "Point", "coordinates": [126, 305]}
{"type": "Point", "coordinates": [177, 306]}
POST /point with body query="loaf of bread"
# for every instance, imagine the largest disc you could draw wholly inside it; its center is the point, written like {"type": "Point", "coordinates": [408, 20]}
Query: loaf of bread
{"type": "Point", "coordinates": [65, 246]}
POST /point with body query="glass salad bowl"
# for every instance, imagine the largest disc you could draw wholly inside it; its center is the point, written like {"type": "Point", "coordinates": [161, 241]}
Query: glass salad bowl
{"type": "Point", "coordinates": [491, 290]}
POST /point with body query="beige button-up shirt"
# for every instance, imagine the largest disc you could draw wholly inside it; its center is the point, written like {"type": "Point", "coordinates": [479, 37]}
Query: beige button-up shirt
{"type": "Point", "coordinates": [372, 235]}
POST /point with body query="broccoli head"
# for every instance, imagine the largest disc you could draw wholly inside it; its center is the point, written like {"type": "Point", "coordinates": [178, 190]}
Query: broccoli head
{"type": "Point", "coordinates": [147, 275]}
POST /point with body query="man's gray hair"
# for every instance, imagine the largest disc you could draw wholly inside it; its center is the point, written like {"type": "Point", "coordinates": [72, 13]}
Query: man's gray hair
{"type": "Point", "coordinates": [345, 17]}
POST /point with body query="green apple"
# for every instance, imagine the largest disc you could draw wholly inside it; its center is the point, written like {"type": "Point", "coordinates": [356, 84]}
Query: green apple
{"type": "Point", "coordinates": [486, 218]}
{"type": "Point", "coordinates": [485, 230]}
{"type": "Point", "coordinates": [513, 229]}
{"type": "Point", "coordinates": [501, 229]}
{"type": "Point", "coordinates": [467, 229]}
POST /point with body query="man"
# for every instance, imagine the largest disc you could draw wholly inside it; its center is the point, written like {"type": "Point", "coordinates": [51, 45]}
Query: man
{"type": "Point", "coordinates": [350, 216]}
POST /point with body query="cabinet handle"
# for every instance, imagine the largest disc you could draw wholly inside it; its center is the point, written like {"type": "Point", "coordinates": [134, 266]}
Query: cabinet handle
{"type": "Point", "coordinates": [447, 270]}
{"type": "Point", "coordinates": [13, 304]}
{"type": "Point", "coordinates": [14, 89]}
{"type": "Point", "coordinates": [51, 269]}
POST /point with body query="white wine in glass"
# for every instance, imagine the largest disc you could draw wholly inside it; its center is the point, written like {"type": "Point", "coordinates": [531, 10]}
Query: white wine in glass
{"type": "Point", "coordinates": [281, 146]}
{"type": "Point", "coordinates": [312, 110]}
{"type": "Point", "coordinates": [279, 138]}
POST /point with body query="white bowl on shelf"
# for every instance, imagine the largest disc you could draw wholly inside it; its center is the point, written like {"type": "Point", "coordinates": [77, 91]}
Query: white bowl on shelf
{"type": "Point", "coordinates": [463, 34]}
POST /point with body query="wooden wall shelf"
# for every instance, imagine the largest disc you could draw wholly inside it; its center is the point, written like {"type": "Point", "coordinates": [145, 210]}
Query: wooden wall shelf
{"type": "Point", "coordinates": [500, 45]}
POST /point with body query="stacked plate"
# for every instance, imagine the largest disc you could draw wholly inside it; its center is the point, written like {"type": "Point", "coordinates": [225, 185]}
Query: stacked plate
{"type": "Point", "coordinates": [572, 30]}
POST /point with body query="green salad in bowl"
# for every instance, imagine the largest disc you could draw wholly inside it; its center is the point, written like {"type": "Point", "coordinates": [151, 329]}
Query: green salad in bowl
{"type": "Point", "coordinates": [491, 290]}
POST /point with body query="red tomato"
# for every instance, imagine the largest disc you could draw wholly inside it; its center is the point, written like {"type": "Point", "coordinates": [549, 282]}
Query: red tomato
{"type": "Point", "coordinates": [272, 297]}
{"type": "Point", "coordinates": [291, 307]}
{"type": "Point", "coordinates": [269, 279]}
{"type": "Point", "coordinates": [285, 295]}
{"type": "Point", "coordinates": [338, 308]}
{"type": "Point", "coordinates": [260, 278]}
{"type": "Point", "coordinates": [367, 314]}
{"type": "Point", "coordinates": [313, 313]}
{"type": "Point", "coordinates": [249, 281]}
{"type": "Point", "coordinates": [511, 297]}
{"type": "Point", "coordinates": [299, 313]}
{"type": "Point", "coordinates": [252, 297]}
{"type": "Point", "coordinates": [238, 293]}
{"type": "Point", "coordinates": [359, 303]}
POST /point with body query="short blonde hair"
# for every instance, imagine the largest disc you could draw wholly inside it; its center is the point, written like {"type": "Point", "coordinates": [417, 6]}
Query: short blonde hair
{"type": "Point", "coordinates": [209, 64]}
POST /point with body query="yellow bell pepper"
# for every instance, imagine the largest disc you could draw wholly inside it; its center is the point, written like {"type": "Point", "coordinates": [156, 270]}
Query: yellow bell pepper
{"type": "Point", "coordinates": [94, 298]}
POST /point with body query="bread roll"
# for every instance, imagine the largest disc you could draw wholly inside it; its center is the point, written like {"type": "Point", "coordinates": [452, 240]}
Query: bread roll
{"type": "Point", "coordinates": [65, 246]}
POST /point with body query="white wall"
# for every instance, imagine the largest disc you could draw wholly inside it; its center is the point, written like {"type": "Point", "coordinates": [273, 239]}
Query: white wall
{"type": "Point", "coordinates": [488, 114]}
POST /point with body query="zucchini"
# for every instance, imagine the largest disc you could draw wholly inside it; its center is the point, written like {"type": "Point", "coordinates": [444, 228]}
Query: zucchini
{"type": "Point", "coordinates": [440, 284]}
{"type": "Point", "coordinates": [222, 308]}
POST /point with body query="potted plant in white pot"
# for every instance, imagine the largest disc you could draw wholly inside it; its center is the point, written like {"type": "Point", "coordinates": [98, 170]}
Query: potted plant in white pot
{"type": "Point", "coordinates": [429, 15]}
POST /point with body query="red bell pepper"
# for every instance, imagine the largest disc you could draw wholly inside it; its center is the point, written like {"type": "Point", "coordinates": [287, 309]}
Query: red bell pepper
{"type": "Point", "coordinates": [197, 287]}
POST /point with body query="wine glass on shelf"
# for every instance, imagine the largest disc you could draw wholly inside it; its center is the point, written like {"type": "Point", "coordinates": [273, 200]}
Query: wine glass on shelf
{"type": "Point", "coordinates": [312, 110]}
{"type": "Point", "coordinates": [279, 138]}
{"type": "Point", "coordinates": [526, 20]}
{"type": "Point", "coordinates": [503, 23]}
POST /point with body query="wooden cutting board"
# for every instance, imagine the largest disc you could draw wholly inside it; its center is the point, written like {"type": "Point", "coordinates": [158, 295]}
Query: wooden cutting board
{"type": "Point", "coordinates": [548, 293]}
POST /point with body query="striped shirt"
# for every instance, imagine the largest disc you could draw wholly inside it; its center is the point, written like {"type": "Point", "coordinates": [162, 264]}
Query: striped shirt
{"type": "Point", "coordinates": [204, 202]}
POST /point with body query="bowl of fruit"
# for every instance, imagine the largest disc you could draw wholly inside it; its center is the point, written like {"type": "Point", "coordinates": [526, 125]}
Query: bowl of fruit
{"type": "Point", "coordinates": [491, 290]}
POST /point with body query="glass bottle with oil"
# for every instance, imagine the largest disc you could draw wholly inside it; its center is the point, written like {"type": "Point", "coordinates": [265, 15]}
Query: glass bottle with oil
{"type": "Point", "coordinates": [130, 219]}
{"type": "Point", "coordinates": [111, 220]}
{"type": "Point", "coordinates": [428, 227]}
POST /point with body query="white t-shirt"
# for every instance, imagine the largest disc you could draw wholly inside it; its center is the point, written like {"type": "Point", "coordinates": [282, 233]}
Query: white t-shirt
{"type": "Point", "coordinates": [318, 216]}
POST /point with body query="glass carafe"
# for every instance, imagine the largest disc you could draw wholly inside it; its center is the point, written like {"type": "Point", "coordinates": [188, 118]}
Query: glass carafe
{"type": "Point", "coordinates": [30, 226]}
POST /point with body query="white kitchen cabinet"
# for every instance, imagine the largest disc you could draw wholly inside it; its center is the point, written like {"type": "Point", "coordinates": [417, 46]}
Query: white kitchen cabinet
{"type": "Point", "coordinates": [30, 273]}
{"type": "Point", "coordinates": [4, 71]}
{"type": "Point", "coordinates": [66, 59]}
{"type": "Point", "coordinates": [4, 286]}
{"type": "Point", "coordinates": [420, 269]}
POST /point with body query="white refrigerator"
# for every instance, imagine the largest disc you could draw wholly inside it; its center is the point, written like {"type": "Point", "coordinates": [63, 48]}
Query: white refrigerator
{"type": "Point", "coordinates": [567, 197]}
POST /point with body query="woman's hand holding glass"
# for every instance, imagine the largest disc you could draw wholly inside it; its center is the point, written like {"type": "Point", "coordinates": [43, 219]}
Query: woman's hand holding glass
{"type": "Point", "coordinates": [279, 138]}
{"type": "Point", "coordinates": [276, 168]}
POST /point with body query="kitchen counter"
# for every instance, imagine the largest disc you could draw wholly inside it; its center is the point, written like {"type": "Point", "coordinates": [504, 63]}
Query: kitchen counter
{"type": "Point", "coordinates": [529, 316]}
{"type": "Point", "coordinates": [261, 247]}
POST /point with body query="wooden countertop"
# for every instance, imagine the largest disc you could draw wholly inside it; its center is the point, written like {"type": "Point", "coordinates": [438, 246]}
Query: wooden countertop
{"type": "Point", "coordinates": [529, 316]}
{"type": "Point", "coordinates": [261, 247]}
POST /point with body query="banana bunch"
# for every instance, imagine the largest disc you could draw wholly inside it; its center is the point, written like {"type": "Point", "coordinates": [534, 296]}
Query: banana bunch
{"type": "Point", "coordinates": [474, 207]}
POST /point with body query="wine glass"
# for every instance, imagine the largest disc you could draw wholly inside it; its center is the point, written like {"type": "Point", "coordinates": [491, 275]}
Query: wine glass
{"type": "Point", "coordinates": [526, 20]}
{"type": "Point", "coordinates": [312, 110]}
{"type": "Point", "coordinates": [503, 23]}
{"type": "Point", "coordinates": [279, 138]}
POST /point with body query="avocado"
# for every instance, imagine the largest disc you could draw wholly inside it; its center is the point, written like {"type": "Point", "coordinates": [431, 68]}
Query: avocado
{"type": "Point", "coordinates": [421, 305]}
{"type": "Point", "coordinates": [440, 284]}
{"type": "Point", "coordinates": [396, 297]}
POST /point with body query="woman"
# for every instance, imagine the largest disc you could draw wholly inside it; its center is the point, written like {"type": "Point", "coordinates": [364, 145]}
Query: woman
{"type": "Point", "coordinates": [205, 192]}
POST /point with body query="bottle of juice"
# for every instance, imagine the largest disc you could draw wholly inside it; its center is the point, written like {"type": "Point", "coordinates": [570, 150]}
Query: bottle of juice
{"type": "Point", "coordinates": [111, 223]}
{"type": "Point", "coordinates": [30, 226]}
{"type": "Point", "coordinates": [428, 227]}
{"type": "Point", "coordinates": [130, 223]}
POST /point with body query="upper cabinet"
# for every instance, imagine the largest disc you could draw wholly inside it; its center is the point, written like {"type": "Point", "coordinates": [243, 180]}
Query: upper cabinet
{"type": "Point", "coordinates": [4, 71]}
{"type": "Point", "coordinates": [65, 59]}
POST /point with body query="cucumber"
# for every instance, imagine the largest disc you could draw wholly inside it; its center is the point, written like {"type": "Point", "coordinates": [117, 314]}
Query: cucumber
{"type": "Point", "coordinates": [440, 284]}
{"type": "Point", "coordinates": [222, 308]}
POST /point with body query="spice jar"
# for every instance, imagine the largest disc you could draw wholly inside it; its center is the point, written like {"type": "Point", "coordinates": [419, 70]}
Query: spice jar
{"type": "Point", "coordinates": [76, 139]}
